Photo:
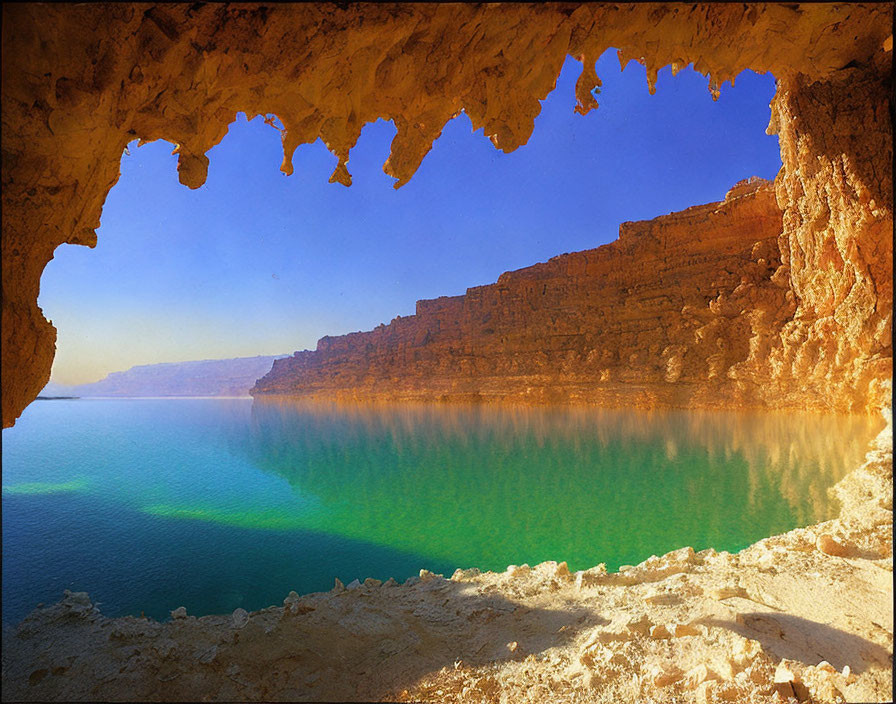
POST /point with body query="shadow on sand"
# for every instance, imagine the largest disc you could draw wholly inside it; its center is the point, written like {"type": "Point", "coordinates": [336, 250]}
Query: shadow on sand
{"type": "Point", "coordinates": [810, 642]}
{"type": "Point", "coordinates": [368, 643]}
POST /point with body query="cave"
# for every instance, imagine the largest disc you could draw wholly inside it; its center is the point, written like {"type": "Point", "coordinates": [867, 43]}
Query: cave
{"type": "Point", "coordinates": [80, 82]}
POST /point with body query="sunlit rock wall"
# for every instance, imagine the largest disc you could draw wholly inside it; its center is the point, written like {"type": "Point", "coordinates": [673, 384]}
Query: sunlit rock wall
{"type": "Point", "coordinates": [659, 317]}
{"type": "Point", "coordinates": [836, 190]}
{"type": "Point", "coordinates": [80, 81]}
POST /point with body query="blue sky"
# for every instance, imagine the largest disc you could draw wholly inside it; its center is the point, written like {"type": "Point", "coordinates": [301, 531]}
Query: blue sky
{"type": "Point", "coordinates": [255, 262]}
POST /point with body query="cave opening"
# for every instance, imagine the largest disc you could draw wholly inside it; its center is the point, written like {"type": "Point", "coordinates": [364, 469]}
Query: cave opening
{"type": "Point", "coordinates": [254, 263]}
{"type": "Point", "coordinates": [810, 311]}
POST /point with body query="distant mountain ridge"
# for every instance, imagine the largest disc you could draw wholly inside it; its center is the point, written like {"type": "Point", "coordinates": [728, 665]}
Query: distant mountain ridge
{"type": "Point", "coordinates": [208, 377]}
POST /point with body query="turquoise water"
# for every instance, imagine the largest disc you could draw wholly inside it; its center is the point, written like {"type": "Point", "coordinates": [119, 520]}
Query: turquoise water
{"type": "Point", "coordinates": [150, 504]}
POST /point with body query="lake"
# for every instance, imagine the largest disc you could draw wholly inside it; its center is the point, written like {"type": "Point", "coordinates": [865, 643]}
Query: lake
{"type": "Point", "coordinates": [214, 504]}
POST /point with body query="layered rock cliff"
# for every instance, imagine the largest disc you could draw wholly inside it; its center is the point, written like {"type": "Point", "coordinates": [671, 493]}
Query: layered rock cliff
{"type": "Point", "coordinates": [672, 313]}
{"type": "Point", "coordinates": [696, 308]}
{"type": "Point", "coordinates": [80, 81]}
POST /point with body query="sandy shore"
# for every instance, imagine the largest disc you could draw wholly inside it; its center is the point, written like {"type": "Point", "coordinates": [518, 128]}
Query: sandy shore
{"type": "Point", "coordinates": [807, 614]}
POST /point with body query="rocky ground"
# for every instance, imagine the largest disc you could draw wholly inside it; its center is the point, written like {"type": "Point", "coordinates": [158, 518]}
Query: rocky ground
{"type": "Point", "coordinates": [804, 616]}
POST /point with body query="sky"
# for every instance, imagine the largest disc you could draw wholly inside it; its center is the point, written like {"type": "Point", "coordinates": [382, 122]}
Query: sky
{"type": "Point", "coordinates": [255, 262]}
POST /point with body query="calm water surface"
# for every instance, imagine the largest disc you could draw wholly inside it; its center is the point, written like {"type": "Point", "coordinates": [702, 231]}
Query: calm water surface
{"type": "Point", "coordinates": [150, 504]}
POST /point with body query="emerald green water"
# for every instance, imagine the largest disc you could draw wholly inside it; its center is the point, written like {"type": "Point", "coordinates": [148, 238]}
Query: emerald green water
{"type": "Point", "coordinates": [218, 503]}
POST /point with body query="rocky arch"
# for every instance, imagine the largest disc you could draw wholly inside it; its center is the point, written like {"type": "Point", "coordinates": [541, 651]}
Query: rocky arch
{"type": "Point", "coordinates": [81, 81]}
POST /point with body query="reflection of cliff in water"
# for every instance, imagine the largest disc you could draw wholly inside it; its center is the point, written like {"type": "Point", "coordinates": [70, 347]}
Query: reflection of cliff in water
{"type": "Point", "coordinates": [487, 486]}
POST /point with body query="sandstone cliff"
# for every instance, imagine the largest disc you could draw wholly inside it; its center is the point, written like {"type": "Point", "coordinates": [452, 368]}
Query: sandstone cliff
{"type": "Point", "coordinates": [669, 314]}
{"type": "Point", "coordinates": [836, 191]}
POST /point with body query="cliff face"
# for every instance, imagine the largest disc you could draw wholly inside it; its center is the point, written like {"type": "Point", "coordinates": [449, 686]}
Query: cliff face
{"type": "Point", "coordinates": [678, 311]}
{"type": "Point", "coordinates": [697, 308]}
{"type": "Point", "coordinates": [836, 191]}
{"type": "Point", "coordinates": [81, 81]}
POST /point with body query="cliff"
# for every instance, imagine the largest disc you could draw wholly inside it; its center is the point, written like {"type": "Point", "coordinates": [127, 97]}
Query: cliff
{"type": "Point", "coordinates": [700, 308]}
{"type": "Point", "coordinates": [672, 313]}
{"type": "Point", "coordinates": [210, 377]}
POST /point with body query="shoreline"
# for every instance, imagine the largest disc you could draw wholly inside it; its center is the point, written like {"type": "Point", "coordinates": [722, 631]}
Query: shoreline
{"type": "Point", "coordinates": [644, 397]}
{"type": "Point", "coordinates": [809, 610]}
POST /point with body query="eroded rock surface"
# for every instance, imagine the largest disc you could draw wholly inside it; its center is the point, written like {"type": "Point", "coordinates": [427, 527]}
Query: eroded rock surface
{"type": "Point", "coordinates": [80, 81]}
{"type": "Point", "coordinates": [836, 191]}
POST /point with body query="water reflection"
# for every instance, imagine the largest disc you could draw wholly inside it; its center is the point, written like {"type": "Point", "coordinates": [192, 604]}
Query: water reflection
{"type": "Point", "coordinates": [487, 486]}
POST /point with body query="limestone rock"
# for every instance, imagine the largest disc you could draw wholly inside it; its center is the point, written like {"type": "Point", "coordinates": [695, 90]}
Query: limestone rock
{"type": "Point", "coordinates": [664, 676]}
{"type": "Point", "coordinates": [785, 681]}
{"type": "Point", "coordinates": [660, 632]}
{"type": "Point", "coordinates": [78, 604]}
{"type": "Point", "coordinates": [612, 636]}
{"type": "Point", "coordinates": [829, 545]}
{"type": "Point", "coordinates": [465, 574]}
{"type": "Point", "coordinates": [662, 598]}
{"type": "Point", "coordinates": [696, 676]}
{"type": "Point", "coordinates": [70, 598]}
{"type": "Point", "coordinates": [592, 576]}
{"type": "Point", "coordinates": [514, 571]}
{"type": "Point", "coordinates": [240, 618]}
{"type": "Point", "coordinates": [728, 591]}
{"type": "Point", "coordinates": [641, 625]}
{"type": "Point", "coordinates": [681, 630]}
